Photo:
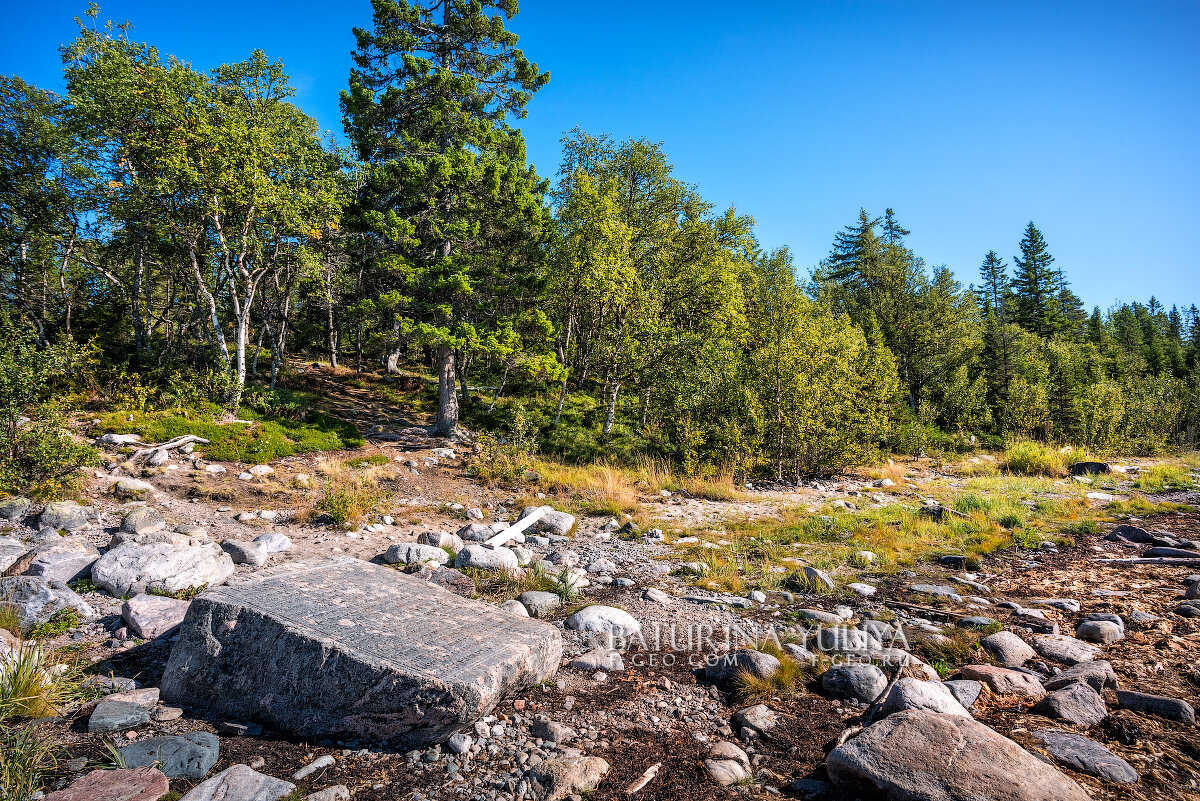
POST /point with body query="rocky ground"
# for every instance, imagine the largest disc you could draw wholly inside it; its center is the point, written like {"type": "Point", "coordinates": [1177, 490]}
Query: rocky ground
{"type": "Point", "coordinates": [1047, 673]}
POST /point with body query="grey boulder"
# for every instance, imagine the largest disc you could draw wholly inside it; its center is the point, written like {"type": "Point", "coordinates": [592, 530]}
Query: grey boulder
{"type": "Point", "coordinates": [190, 756]}
{"type": "Point", "coordinates": [274, 542]}
{"type": "Point", "coordinates": [932, 696]}
{"type": "Point", "coordinates": [1161, 705]}
{"type": "Point", "coordinates": [724, 669]}
{"type": "Point", "coordinates": [1062, 648]}
{"type": "Point", "coordinates": [37, 600]}
{"type": "Point", "coordinates": [396, 660]}
{"type": "Point", "coordinates": [11, 551]}
{"type": "Point", "coordinates": [1009, 649]}
{"type": "Point", "coordinates": [13, 510]}
{"type": "Point", "coordinates": [240, 783]}
{"type": "Point", "coordinates": [110, 716]}
{"type": "Point", "coordinates": [607, 659]}
{"type": "Point", "coordinates": [605, 620]}
{"type": "Point", "coordinates": [64, 559]}
{"type": "Point", "coordinates": [142, 520]}
{"type": "Point", "coordinates": [965, 691]}
{"type": "Point", "coordinates": [65, 515]}
{"type": "Point", "coordinates": [923, 756]}
{"type": "Point", "coordinates": [1104, 632]}
{"type": "Point", "coordinates": [1075, 703]}
{"type": "Point", "coordinates": [552, 522]}
{"type": "Point", "coordinates": [483, 557]}
{"type": "Point", "coordinates": [1086, 756]}
{"type": "Point", "coordinates": [863, 682]}
{"type": "Point", "coordinates": [152, 616]}
{"type": "Point", "coordinates": [131, 568]}
{"type": "Point", "coordinates": [407, 553]}
{"type": "Point", "coordinates": [540, 603]}
{"type": "Point", "coordinates": [245, 553]}
{"type": "Point", "coordinates": [1097, 674]}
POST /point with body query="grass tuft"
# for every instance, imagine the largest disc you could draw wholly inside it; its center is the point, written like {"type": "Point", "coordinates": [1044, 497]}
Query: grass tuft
{"type": "Point", "coordinates": [26, 762]}
{"type": "Point", "coordinates": [1029, 458]}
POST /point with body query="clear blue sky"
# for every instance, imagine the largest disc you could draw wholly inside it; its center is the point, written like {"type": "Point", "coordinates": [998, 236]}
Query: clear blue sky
{"type": "Point", "coordinates": [969, 118]}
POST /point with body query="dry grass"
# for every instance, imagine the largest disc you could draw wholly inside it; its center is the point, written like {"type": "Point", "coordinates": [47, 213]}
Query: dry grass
{"type": "Point", "coordinates": [786, 682]}
{"type": "Point", "coordinates": [352, 489]}
{"type": "Point", "coordinates": [10, 618]}
{"type": "Point", "coordinates": [1029, 458]}
{"type": "Point", "coordinates": [498, 586]}
{"type": "Point", "coordinates": [30, 687]}
{"type": "Point", "coordinates": [605, 488]}
{"type": "Point", "coordinates": [896, 471]}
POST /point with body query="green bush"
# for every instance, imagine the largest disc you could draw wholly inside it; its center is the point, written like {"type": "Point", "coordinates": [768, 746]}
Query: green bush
{"type": "Point", "coordinates": [1029, 458]}
{"type": "Point", "coordinates": [38, 455]}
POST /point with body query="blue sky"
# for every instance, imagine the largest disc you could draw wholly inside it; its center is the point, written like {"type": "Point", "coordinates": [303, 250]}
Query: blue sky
{"type": "Point", "coordinates": [969, 118]}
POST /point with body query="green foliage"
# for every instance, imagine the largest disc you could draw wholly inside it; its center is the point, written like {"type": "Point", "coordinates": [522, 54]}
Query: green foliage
{"type": "Point", "coordinates": [506, 458]}
{"type": "Point", "coordinates": [447, 187]}
{"type": "Point", "coordinates": [1163, 477]}
{"type": "Point", "coordinates": [279, 404]}
{"type": "Point", "coordinates": [27, 760]}
{"type": "Point", "coordinates": [1029, 458]}
{"type": "Point", "coordinates": [58, 623]}
{"type": "Point", "coordinates": [349, 499]}
{"type": "Point", "coordinates": [38, 455]}
{"type": "Point", "coordinates": [185, 594]}
{"type": "Point", "coordinates": [262, 440]}
{"type": "Point", "coordinates": [826, 393]}
{"type": "Point", "coordinates": [28, 689]}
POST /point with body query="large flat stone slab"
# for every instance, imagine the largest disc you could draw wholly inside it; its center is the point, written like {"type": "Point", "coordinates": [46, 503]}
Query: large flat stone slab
{"type": "Point", "coordinates": [342, 647]}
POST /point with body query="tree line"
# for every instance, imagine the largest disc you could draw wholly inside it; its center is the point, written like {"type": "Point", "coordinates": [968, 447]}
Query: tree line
{"type": "Point", "coordinates": [192, 222]}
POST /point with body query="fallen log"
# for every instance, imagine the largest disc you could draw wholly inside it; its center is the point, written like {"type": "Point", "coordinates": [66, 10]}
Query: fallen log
{"type": "Point", "coordinates": [157, 452]}
{"type": "Point", "coordinates": [518, 527]}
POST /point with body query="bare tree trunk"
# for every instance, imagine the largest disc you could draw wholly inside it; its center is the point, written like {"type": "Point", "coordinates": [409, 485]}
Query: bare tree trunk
{"type": "Point", "coordinates": [562, 397]}
{"type": "Point", "coordinates": [447, 417]}
{"type": "Point", "coordinates": [332, 332]}
{"type": "Point", "coordinates": [258, 348]}
{"type": "Point", "coordinates": [463, 363]}
{"type": "Point", "coordinates": [610, 418]}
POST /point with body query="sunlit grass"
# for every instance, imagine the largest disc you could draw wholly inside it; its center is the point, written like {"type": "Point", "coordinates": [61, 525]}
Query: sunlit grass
{"type": "Point", "coordinates": [30, 687]}
{"type": "Point", "coordinates": [786, 682]}
{"type": "Point", "coordinates": [1163, 477]}
{"type": "Point", "coordinates": [1026, 457]}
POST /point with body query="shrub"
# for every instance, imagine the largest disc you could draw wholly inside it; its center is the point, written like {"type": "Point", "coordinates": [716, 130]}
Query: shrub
{"type": "Point", "coordinates": [505, 459]}
{"type": "Point", "coordinates": [349, 499]}
{"type": "Point", "coordinates": [276, 403]}
{"type": "Point", "coordinates": [1030, 458]}
{"type": "Point", "coordinates": [38, 456]}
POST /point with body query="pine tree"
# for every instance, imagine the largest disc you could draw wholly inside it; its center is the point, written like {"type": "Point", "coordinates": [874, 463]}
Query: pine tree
{"type": "Point", "coordinates": [1036, 286]}
{"type": "Point", "coordinates": [434, 87]}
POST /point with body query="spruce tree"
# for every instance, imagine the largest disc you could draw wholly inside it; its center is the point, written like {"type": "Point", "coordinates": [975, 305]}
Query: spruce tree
{"type": "Point", "coordinates": [1036, 286]}
{"type": "Point", "coordinates": [435, 85]}
{"type": "Point", "coordinates": [994, 296]}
